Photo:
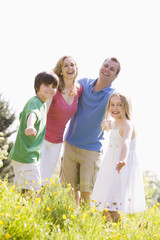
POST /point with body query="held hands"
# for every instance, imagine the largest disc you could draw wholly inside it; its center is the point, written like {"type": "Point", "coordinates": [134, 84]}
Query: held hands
{"type": "Point", "coordinates": [119, 166]}
{"type": "Point", "coordinates": [30, 131]}
{"type": "Point", "coordinates": [106, 125]}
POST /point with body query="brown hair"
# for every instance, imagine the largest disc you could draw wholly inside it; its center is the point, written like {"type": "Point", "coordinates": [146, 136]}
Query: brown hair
{"type": "Point", "coordinates": [46, 78]}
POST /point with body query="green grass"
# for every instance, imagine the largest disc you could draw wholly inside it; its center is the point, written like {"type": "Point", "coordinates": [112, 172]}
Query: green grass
{"type": "Point", "coordinates": [56, 216]}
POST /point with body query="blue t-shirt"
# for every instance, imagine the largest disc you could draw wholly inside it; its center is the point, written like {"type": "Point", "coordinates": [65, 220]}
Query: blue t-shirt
{"type": "Point", "coordinates": [85, 125]}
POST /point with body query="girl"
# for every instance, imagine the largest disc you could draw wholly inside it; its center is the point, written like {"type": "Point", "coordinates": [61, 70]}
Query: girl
{"type": "Point", "coordinates": [119, 184]}
{"type": "Point", "coordinates": [60, 109]}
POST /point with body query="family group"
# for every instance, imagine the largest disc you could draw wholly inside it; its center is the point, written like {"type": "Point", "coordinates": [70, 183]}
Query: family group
{"type": "Point", "coordinates": [90, 106]}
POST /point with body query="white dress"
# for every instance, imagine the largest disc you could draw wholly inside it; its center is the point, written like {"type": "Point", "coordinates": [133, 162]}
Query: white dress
{"type": "Point", "coordinates": [122, 191]}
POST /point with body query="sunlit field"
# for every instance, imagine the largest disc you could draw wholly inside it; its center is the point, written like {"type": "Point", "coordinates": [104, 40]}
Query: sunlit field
{"type": "Point", "coordinates": [55, 215]}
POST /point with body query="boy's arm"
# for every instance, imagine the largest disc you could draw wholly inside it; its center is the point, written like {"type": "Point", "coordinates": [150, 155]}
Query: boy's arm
{"type": "Point", "coordinates": [30, 130]}
{"type": "Point", "coordinates": [127, 136]}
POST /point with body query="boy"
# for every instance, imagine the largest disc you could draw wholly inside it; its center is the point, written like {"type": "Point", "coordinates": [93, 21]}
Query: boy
{"type": "Point", "coordinates": [26, 151]}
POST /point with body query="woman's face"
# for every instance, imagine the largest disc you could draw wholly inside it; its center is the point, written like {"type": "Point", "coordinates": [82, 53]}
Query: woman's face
{"type": "Point", "coordinates": [69, 70]}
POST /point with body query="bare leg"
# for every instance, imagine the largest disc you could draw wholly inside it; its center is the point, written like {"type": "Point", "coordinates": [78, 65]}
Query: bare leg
{"type": "Point", "coordinates": [77, 197]}
{"type": "Point", "coordinates": [115, 216]}
{"type": "Point", "coordinates": [85, 196]}
{"type": "Point", "coordinates": [107, 216]}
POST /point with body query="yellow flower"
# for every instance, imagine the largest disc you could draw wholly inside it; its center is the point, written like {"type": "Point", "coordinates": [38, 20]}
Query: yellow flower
{"type": "Point", "coordinates": [94, 201]}
{"type": "Point", "coordinates": [37, 200]}
{"type": "Point", "coordinates": [17, 215]}
{"type": "Point", "coordinates": [1, 222]}
{"type": "Point", "coordinates": [85, 215]}
{"type": "Point", "coordinates": [72, 216]}
{"type": "Point", "coordinates": [26, 182]}
{"type": "Point", "coordinates": [39, 183]}
{"type": "Point", "coordinates": [158, 204]}
{"type": "Point", "coordinates": [7, 236]}
{"type": "Point", "coordinates": [64, 216]}
{"type": "Point", "coordinates": [55, 194]}
{"type": "Point", "coordinates": [48, 209]}
{"type": "Point", "coordinates": [93, 209]}
{"type": "Point", "coordinates": [106, 210]}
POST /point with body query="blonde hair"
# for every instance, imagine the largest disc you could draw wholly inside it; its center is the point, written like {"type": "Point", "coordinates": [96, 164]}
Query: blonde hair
{"type": "Point", "coordinates": [58, 70]}
{"type": "Point", "coordinates": [126, 106]}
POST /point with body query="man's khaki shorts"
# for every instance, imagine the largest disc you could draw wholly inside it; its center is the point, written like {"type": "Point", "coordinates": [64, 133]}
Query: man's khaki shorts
{"type": "Point", "coordinates": [79, 167]}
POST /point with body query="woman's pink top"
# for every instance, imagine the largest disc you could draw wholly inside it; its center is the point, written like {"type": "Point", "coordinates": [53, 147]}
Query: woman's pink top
{"type": "Point", "coordinates": [60, 112]}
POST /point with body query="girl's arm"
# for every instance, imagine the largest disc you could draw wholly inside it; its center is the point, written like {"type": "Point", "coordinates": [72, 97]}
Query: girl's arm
{"type": "Point", "coordinates": [126, 139]}
{"type": "Point", "coordinates": [30, 130]}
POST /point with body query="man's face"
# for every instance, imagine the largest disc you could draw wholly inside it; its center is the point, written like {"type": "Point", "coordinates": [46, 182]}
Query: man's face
{"type": "Point", "coordinates": [108, 71]}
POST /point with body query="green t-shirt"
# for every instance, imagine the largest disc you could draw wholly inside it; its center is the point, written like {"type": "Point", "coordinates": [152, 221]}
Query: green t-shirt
{"type": "Point", "coordinates": [27, 149]}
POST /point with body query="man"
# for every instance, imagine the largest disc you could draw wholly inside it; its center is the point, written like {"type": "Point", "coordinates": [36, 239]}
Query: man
{"type": "Point", "coordinates": [82, 148]}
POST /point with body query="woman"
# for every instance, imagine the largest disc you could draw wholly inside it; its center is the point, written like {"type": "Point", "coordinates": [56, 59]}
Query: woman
{"type": "Point", "coordinates": [61, 108]}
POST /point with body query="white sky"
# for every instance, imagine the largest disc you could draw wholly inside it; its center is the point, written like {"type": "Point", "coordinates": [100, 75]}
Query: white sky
{"type": "Point", "coordinates": [36, 33]}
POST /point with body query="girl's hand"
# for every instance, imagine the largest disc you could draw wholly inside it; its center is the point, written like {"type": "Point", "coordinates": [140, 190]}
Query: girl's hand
{"type": "Point", "coordinates": [119, 166]}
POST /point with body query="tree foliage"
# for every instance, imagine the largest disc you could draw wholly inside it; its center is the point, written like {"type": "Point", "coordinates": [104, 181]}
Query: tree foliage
{"type": "Point", "coordinates": [6, 120]}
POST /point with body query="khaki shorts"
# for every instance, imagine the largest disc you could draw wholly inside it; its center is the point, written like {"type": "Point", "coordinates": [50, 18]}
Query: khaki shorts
{"type": "Point", "coordinates": [79, 167]}
{"type": "Point", "coordinates": [27, 175]}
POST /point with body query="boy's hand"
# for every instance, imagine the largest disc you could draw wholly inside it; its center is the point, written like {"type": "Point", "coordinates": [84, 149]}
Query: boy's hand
{"type": "Point", "coordinates": [119, 166]}
{"type": "Point", "coordinates": [30, 131]}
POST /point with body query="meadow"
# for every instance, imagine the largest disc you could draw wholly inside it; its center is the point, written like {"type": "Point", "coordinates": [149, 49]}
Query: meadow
{"type": "Point", "coordinates": [55, 215]}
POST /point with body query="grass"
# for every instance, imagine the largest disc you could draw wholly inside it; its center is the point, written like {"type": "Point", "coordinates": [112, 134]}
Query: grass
{"type": "Point", "coordinates": [56, 216]}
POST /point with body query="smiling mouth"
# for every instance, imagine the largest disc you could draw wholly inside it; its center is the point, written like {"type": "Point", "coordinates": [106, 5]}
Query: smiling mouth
{"type": "Point", "coordinates": [115, 112]}
{"type": "Point", "coordinates": [70, 72]}
{"type": "Point", "coordinates": [105, 74]}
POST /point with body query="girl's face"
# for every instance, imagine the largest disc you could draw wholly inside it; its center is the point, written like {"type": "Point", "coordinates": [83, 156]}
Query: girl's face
{"type": "Point", "coordinates": [115, 107]}
{"type": "Point", "coordinates": [68, 69]}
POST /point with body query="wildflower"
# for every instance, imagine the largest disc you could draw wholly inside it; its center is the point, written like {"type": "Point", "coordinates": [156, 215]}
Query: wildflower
{"type": "Point", "coordinates": [48, 209]}
{"type": "Point", "coordinates": [93, 209]}
{"type": "Point", "coordinates": [39, 183]}
{"type": "Point", "coordinates": [158, 204]}
{"type": "Point", "coordinates": [85, 215]}
{"type": "Point", "coordinates": [37, 200]}
{"type": "Point", "coordinates": [114, 224]}
{"type": "Point", "coordinates": [64, 216]}
{"type": "Point", "coordinates": [94, 201]}
{"type": "Point", "coordinates": [7, 236]}
{"type": "Point", "coordinates": [106, 210]}
{"type": "Point", "coordinates": [33, 181]}
{"type": "Point", "coordinates": [72, 216]}
{"type": "Point", "coordinates": [156, 235]}
{"type": "Point", "coordinates": [55, 194]}
{"type": "Point", "coordinates": [1, 222]}
{"type": "Point", "coordinates": [26, 182]}
{"type": "Point", "coordinates": [17, 215]}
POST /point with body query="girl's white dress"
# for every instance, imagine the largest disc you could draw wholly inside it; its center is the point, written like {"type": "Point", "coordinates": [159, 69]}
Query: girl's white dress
{"type": "Point", "coordinates": [122, 191]}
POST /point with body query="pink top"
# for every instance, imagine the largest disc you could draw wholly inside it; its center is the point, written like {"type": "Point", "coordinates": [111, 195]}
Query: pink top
{"type": "Point", "coordinates": [59, 114]}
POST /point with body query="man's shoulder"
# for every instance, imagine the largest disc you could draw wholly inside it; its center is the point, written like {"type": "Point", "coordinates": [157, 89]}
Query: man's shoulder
{"type": "Point", "coordinates": [85, 81]}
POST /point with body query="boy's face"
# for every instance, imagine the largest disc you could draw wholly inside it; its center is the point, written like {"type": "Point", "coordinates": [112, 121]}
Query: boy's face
{"type": "Point", "coordinates": [46, 91]}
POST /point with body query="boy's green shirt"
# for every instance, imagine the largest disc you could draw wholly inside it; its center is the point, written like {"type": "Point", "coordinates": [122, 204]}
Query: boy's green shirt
{"type": "Point", "coordinates": [27, 149]}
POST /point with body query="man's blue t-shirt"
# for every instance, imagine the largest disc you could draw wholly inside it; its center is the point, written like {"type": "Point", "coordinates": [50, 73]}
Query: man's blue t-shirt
{"type": "Point", "coordinates": [85, 125]}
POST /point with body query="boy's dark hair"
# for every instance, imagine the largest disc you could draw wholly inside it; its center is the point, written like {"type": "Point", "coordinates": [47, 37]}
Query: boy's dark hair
{"type": "Point", "coordinates": [45, 78]}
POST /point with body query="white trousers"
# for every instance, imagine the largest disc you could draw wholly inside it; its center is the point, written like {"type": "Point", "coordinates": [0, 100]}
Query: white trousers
{"type": "Point", "coordinates": [50, 156]}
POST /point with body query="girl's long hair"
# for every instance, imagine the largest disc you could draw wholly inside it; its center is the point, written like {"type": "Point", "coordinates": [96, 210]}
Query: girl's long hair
{"type": "Point", "coordinates": [126, 106]}
{"type": "Point", "coordinates": [58, 70]}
